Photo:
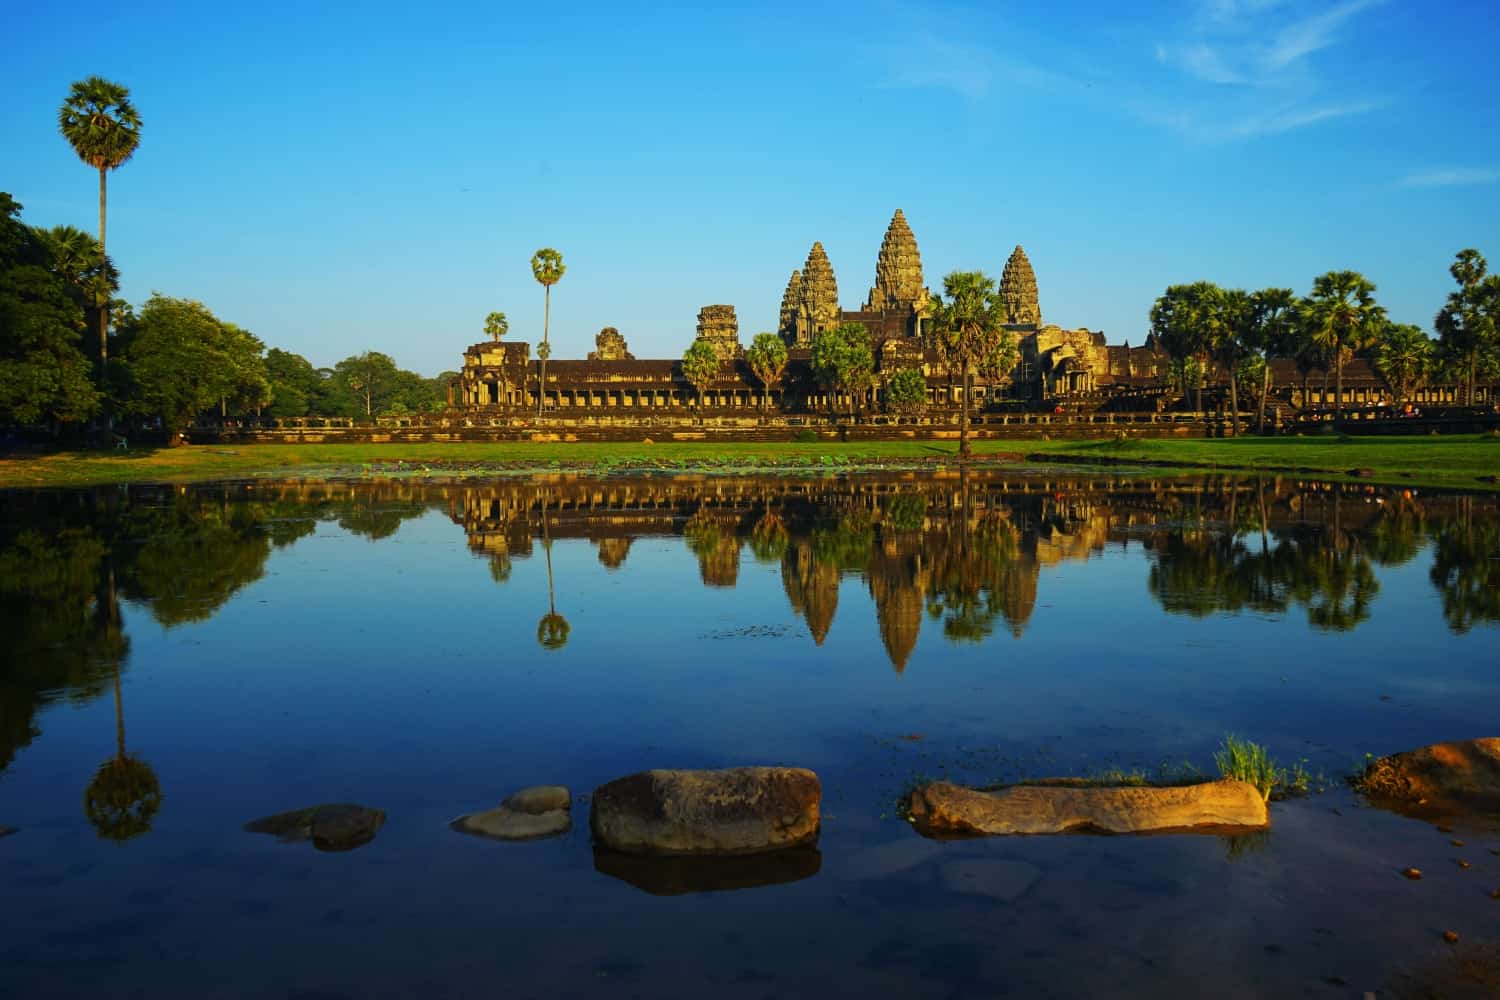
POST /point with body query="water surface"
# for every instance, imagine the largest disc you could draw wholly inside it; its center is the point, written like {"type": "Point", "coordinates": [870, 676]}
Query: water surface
{"type": "Point", "coordinates": [426, 648]}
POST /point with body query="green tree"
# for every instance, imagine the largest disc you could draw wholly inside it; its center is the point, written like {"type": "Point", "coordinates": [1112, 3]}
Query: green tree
{"type": "Point", "coordinates": [700, 366]}
{"type": "Point", "coordinates": [967, 328]}
{"type": "Point", "coordinates": [1273, 332]}
{"type": "Point", "coordinates": [1231, 335]}
{"type": "Point", "coordinates": [104, 129]}
{"type": "Point", "coordinates": [843, 362]}
{"type": "Point", "coordinates": [294, 383]}
{"type": "Point", "coordinates": [1402, 356]}
{"type": "Point", "coordinates": [548, 268]}
{"type": "Point", "coordinates": [248, 384]}
{"type": "Point", "coordinates": [767, 357]}
{"type": "Point", "coordinates": [372, 376]}
{"type": "Point", "coordinates": [906, 392]}
{"type": "Point", "coordinates": [43, 372]}
{"type": "Point", "coordinates": [182, 360]}
{"type": "Point", "coordinates": [1341, 317]}
{"type": "Point", "coordinates": [1466, 325]}
{"type": "Point", "coordinates": [496, 326]}
{"type": "Point", "coordinates": [1186, 320]}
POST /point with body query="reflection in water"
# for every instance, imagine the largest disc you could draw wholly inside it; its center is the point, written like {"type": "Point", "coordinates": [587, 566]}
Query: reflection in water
{"type": "Point", "coordinates": [666, 875]}
{"type": "Point", "coordinates": [962, 551]}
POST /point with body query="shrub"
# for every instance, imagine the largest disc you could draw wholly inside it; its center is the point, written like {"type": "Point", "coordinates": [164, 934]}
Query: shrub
{"type": "Point", "coordinates": [806, 436]}
{"type": "Point", "coordinates": [1248, 762]}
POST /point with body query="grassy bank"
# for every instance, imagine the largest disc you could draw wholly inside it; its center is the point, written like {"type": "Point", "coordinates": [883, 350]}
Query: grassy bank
{"type": "Point", "coordinates": [1457, 460]}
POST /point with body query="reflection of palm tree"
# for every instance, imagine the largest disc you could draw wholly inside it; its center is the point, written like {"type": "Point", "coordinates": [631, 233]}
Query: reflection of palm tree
{"type": "Point", "coordinates": [124, 796]}
{"type": "Point", "coordinates": [552, 631]}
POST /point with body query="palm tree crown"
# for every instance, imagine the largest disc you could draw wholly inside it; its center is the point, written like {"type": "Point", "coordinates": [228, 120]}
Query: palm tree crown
{"type": "Point", "coordinates": [100, 123]}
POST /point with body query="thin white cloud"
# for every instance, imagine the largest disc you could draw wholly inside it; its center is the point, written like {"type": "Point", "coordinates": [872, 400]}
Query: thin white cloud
{"type": "Point", "coordinates": [1302, 38]}
{"type": "Point", "coordinates": [1449, 177]}
{"type": "Point", "coordinates": [1210, 129]}
{"type": "Point", "coordinates": [926, 61]}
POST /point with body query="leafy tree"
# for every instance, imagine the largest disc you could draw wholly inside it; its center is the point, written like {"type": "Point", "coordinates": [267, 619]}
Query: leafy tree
{"type": "Point", "coordinates": [248, 383]}
{"type": "Point", "coordinates": [906, 392]}
{"type": "Point", "coordinates": [967, 328]}
{"type": "Point", "coordinates": [767, 357]}
{"type": "Point", "coordinates": [700, 366]}
{"type": "Point", "coordinates": [843, 361]}
{"type": "Point", "coordinates": [104, 129]}
{"type": "Point", "coordinates": [1187, 320]}
{"type": "Point", "coordinates": [496, 326]}
{"type": "Point", "coordinates": [294, 383]}
{"type": "Point", "coordinates": [1402, 356]}
{"type": "Point", "coordinates": [1467, 325]}
{"type": "Point", "coordinates": [1341, 317]}
{"type": "Point", "coordinates": [183, 360]}
{"type": "Point", "coordinates": [548, 268]}
{"type": "Point", "coordinates": [43, 373]}
{"type": "Point", "coordinates": [1231, 334]}
{"type": "Point", "coordinates": [372, 376]}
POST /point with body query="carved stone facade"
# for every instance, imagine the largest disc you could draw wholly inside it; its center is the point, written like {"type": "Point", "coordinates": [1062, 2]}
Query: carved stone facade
{"type": "Point", "coordinates": [1018, 291]}
{"type": "Point", "coordinates": [610, 346]}
{"type": "Point", "coordinates": [898, 271]}
{"type": "Point", "coordinates": [718, 326]}
{"type": "Point", "coordinates": [816, 306]}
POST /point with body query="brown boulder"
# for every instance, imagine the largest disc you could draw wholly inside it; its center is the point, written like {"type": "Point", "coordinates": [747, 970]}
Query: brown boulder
{"type": "Point", "coordinates": [1442, 781]}
{"type": "Point", "coordinates": [338, 826]}
{"type": "Point", "coordinates": [741, 810]}
{"type": "Point", "coordinates": [944, 809]}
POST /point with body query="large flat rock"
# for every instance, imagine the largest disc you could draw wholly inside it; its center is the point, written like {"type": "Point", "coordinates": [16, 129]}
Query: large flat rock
{"type": "Point", "coordinates": [944, 809]}
{"type": "Point", "coordinates": [1445, 780]}
{"type": "Point", "coordinates": [740, 810]}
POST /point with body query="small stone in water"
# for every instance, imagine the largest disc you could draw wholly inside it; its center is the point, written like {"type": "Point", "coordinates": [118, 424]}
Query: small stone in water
{"type": "Point", "coordinates": [1495, 893]}
{"type": "Point", "coordinates": [1456, 843]}
{"type": "Point", "coordinates": [1412, 873]}
{"type": "Point", "coordinates": [1464, 864]}
{"type": "Point", "coordinates": [1451, 937]}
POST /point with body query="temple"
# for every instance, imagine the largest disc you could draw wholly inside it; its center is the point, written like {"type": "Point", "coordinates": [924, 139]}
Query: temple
{"type": "Point", "coordinates": [1057, 368]}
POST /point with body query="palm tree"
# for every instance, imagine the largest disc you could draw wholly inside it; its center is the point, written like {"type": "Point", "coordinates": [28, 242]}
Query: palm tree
{"type": "Point", "coordinates": [1342, 318]}
{"type": "Point", "coordinates": [496, 326]}
{"type": "Point", "coordinates": [1187, 320]}
{"type": "Point", "coordinates": [104, 129]}
{"type": "Point", "coordinates": [700, 366]}
{"type": "Point", "coordinates": [967, 327]}
{"type": "Point", "coordinates": [548, 268]}
{"type": "Point", "coordinates": [767, 357]}
{"type": "Point", "coordinates": [1273, 331]}
{"type": "Point", "coordinates": [1402, 357]}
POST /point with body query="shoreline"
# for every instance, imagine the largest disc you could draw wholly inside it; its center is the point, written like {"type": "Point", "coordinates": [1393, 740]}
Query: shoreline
{"type": "Point", "coordinates": [1470, 462]}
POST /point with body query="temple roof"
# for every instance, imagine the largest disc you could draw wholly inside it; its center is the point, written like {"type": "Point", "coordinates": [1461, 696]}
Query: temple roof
{"type": "Point", "coordinates": [898, 269]}
{"type": "Point", "coordinates": [1018, 290]}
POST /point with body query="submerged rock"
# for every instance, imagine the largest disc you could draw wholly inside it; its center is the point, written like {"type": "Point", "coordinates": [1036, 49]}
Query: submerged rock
{"type": "Point", "coordinates": [740, 810]}
{"type": "Point", "coordinates": [681, 874]}
{"type": "Point", "coordinates": [944, 809]}
{"type": "Point", "coordinates": [337, 826]}
{"type": "Point", "coordinates": [997, 878]}
{"type": "Point", "coordinates": [6, 831]}
{"type": "Point", "coordinates": [530, 814]}
{"type": "Point", "coordinates": [1444, 781]}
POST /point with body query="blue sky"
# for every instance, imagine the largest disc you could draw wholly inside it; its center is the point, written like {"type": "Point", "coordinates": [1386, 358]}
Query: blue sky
{"type": "Point", "coordinates": [377, 177]}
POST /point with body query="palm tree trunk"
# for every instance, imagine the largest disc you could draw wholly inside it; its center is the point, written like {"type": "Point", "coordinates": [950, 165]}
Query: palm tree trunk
{"type": "Point", "coordinates": [1265, 390]}
{"type": "Point", "coordinates": [963, 417]}
{"type": "Point", "coordinates": [1338, 384]}
{"type": "Point", "coordinates": [119, 712]}
{"type": "Point", "coordinates": [541, 389]}
{"type": "Point", "coordinates": [1234, 401]}
{"type": "Point", "coordinates": [104, 307]}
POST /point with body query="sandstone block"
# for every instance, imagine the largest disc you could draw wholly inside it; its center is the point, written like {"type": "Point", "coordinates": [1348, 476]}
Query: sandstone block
{"type": "Point", "coordinates": [944, 809]}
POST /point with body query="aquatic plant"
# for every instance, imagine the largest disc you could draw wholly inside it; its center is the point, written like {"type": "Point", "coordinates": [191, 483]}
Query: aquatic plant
{"type": "Point", "coordinates": [1248, 762]}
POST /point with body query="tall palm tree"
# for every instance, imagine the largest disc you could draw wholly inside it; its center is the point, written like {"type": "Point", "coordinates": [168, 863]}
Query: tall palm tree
{"type": "Point", "coordinates": [968, 327]}
{"type": "Point", "coordinates": [1273, 331]}
{"type": "Point", "coordinates": [1342, 318]}
{"type": "Point", "coordinates": [496, 326]}
{"type": "Point", "coordinates": [767, 357]}
{"type": "Point", "coordinates": [548, 268]}
{"type": "Point", "coordinates": [1401, 357]}
{"type": "Point", "coordinates": [104, 129]}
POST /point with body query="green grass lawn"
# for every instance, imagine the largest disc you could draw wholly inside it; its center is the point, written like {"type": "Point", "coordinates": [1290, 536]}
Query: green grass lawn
{"type": "Point", "coordinates": [1455, 460]}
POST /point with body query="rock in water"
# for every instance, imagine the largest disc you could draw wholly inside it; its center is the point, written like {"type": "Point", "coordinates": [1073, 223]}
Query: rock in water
{"type": "Point", "coordinates": [6, 831]}
{"type": "Point", "coordinates": [741, 810]}
{"type": "Point", "coordinates": [539, 799]}
{"type": "Point", "coordinates": [996, 878]}
{"type": "Point", "coordinates": [505, 823]}
{"type": "Point", "coordinates": [530, 814]}
{"type": "Point", "coordinates": [1442, 781]}
{"type": "Point", "coordinates": [944, 809]}
{"type": "Point", "coordinates": [337, 826]}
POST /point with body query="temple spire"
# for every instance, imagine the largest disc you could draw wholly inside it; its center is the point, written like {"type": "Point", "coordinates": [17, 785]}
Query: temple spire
{"type": "Point", "coordinates": [1018, 291]}
{"type": "Point", "coordinates": [898, 269]}
{"type": "Point", "coordinates": [790, 299]}
{"type": "Point", "coordinates": [818, 308]}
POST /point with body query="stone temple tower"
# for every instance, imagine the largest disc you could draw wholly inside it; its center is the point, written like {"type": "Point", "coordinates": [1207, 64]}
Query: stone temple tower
{"type": "Point", "coordinates": [818, 302]}
{"type": "Point", "coordinates": [898, 270]}
{"type": "Point", "coordinates": [790, 300]}
{"type": "Point", "coordinates": [1018, 291]}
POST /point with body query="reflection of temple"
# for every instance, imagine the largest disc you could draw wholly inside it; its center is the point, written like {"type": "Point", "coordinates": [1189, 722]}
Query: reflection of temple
{"type": "Point", "coordinates": [498, 379]}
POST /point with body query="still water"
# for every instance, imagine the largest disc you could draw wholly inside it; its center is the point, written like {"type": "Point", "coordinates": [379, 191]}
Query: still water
{"type": "Point", "coordinates": [181, 660]}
